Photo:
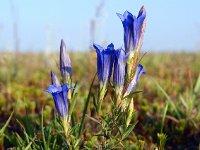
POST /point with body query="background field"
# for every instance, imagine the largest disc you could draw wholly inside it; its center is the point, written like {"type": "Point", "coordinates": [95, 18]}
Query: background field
{"type": "Point", "coordinates": [24, 77]}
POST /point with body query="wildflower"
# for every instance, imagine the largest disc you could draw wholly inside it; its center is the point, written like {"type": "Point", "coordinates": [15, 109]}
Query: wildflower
{"type": "Point", "coordinates": [65, 63]}
{"type": "Point", "coordinates": [104, 69]}
{"type": "Point", "coordinates": [59, 94]}
{"type": "Point", "coordinates": [137, 75]}
{"type": "Point", "coordinates": [133, 29]}
{"type": "Point", "coordinates": [119, 70]}
{"type": "Point", "coordinates": [104, 63]}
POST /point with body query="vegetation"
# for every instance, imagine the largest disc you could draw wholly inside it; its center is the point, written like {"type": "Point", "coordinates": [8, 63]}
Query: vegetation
{"type": "Point", "coordinates": [167, 112]}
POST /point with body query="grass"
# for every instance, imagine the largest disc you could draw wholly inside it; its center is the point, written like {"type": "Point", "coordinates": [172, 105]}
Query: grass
{"type": "Point", "coordinates": [169, 102]}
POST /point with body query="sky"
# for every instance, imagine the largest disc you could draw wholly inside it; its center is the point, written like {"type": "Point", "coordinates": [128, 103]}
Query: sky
{"type": "Point", "coordinates": [172, 25]}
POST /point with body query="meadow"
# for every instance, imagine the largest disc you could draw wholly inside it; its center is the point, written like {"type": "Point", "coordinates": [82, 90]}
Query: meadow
{"type": "Point", "coordinates": [167, 106]}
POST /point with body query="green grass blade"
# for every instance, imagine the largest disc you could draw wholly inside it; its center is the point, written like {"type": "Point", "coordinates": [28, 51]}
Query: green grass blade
{"type": "Point", "coordinates": [43, 135]}
{"type": "Point", "coordinates": [164, 115]}
{"type": "Point", "coordinates": [24, 131]}
{"type": "Point", "coordinates": [28, 146]}
{"type": "Point", "coordinates": [6, 124]}
{"type": "Point", "coordinates": [183, 102]}
{"type": "Point", "coordinates": [85, 107]}
{"type": "Point", "coordinates": [20, 141]}
{"type": "Point", "coordinates": [73, 103]}
{"type": "Point", "coordinates": [168, 98]}
{"type": "Point", "coordinates": [93, 119]}
{"type": "Point", "coordinates": [197, 86]}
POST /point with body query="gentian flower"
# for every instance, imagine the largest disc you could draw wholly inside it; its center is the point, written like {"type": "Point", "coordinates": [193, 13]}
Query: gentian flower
{"type": "Point", "coordinates": [133, 29]}
{"type": "Point", "coordinates": [119, 69]}
{"type": "Point", "coordinates": [65, 62]}
{"type": "Point", "coordinates": [137, 75]}
{"type": "Point", "coordinates": [59, 94]}
{"type": "Point", "coordinates": [104, 63]}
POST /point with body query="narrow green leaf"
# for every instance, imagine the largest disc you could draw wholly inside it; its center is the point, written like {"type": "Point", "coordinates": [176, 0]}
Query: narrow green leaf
{"type": "Point", "coordinates": [24, 131]}
{"type": "Point", "coordinates": [142, 57]}
{"type": "Point", "coordinates": [49, 135]}
{"type": "Point", "coordinates": [168, 98]}
{"type": "Point", "coordinates": [130, 129]}
{"type": "Point", "coordinates": [197, 86]}
{"type": "Point", "coordinates": [93, 119]}
{"type": "Point", "coordinates": [19, 139]}
{"type": "Point", "coordinates": [131, 94]}
{"type": "Point", "coordinates": [6, 124]}
{"type": "Point", "coordinates": [164, 115]}
{"type": "Point", "coordinates": [94, 102]}
{"type": "Point", "coordinates": [73, 103]}
{"type": "Point", "coordinates": [28, 146]}
{"type": "Point", "coordinates": [85, 107]}
{"type": "Point", "coordinates": [74, 88]}
{"type": "Point", "coordinates": [54, 143]}
{"type": "Point", "coordinates": [183, 102]}
{"type": "Point", "coordinates": [43, 135]}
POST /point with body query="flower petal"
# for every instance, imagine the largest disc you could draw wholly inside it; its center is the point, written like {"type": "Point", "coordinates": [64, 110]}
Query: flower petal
{"type": "Point", "coordinates": [54, 79]}
{"type": "Point", "coordinates": [65, 62]}
{"type": "Point", "coordinates": [137, 75]}
{"type": "Point", "coordinates": [104, 62]}
{"type": "Point", "coordinates": [119, 68]}
{"type": "Point", "coordinates": [60, 98]}
{"type": "Point", "coordinates": [133, 29]}
{"type": "Point", "coordinates": [53, 89]}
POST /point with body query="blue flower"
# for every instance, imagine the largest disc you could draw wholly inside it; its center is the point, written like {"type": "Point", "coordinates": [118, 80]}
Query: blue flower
{"type": "Point", "coordinates": [120, 68]}
{"type": "Point", "coordinates": [59, 94]}
{"type": "Point", "coordinates": [137, 75]}
{"type": "Point", "coordinates": [133, 29]}
{"type": "Point", "coordinates": [104, 62]}
{"type": "Point", "coordinates": [65, 62]}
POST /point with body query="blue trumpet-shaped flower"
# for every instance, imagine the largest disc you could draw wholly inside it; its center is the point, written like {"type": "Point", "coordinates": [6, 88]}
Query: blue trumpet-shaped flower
{"type": "Point", "coordinates": [137, 75]}
{"type": "Point", "coordinates": [104, 62]}
{"type": "Point", "coordinates": [119, 68]}
{"type": "Point", "coordinates": [59, 94]}
{"type": "Point", "coordinates": [65, 62]}
{"type": "Point", "coordinates": [133, 29]}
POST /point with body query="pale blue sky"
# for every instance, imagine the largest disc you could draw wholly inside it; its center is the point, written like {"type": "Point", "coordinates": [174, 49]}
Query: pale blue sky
{"type": "Point", "coordinates": [171, 24]}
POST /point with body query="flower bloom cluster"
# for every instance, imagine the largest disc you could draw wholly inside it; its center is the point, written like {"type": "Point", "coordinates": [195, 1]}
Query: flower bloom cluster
{"type": "Point", "coordinates": [60, 91]}
{"type": "Point", "coordinates": [127, 71]}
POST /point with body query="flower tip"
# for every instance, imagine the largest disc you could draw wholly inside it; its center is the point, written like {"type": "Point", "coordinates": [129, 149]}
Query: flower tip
{"type": "Point", "coordinates": [54, 80]}
{"type": "Point", "coordinates": [47, 91]}
{"type": "Point", "coordinates": [140, 66]}
{"type": "Point", "coordinates": [62, 44]}
{"type": "Point", "coordinates": [120, 16]}
{"type": "Point", "coordinates": [142, 8]}
{"type": "Point", "coordinates": [142, 71]}
{"type": "Point", "coordinates": [111, 45]}
{"type": "Point", "coordinates": [97, 47]}
{"type": "Point", "coordinates": [127, 14]}
{"type": "Point", "coordinates": [142, 11]}
{"type": "Point", "coordinates": [52, 74]}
